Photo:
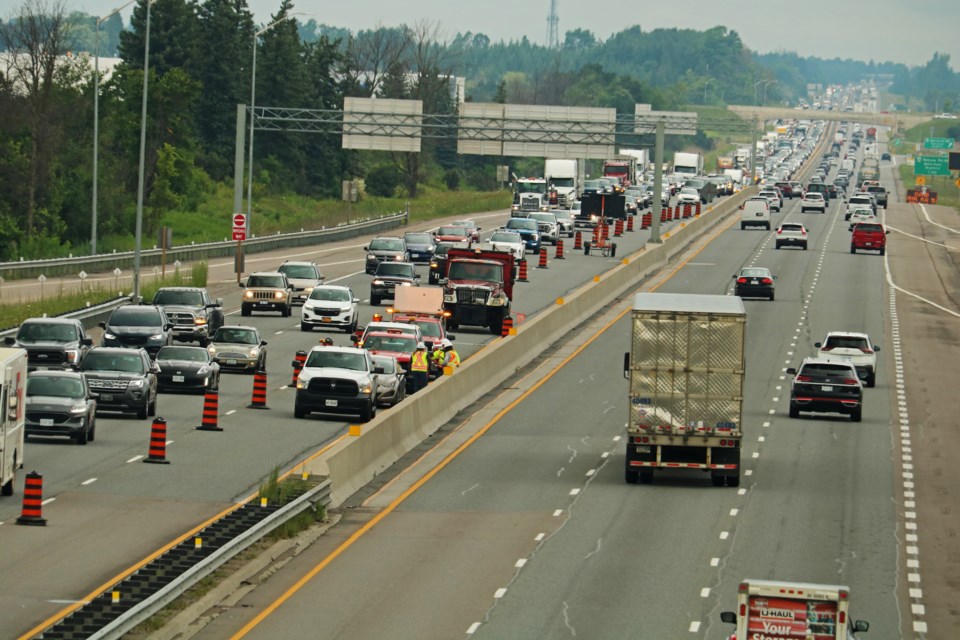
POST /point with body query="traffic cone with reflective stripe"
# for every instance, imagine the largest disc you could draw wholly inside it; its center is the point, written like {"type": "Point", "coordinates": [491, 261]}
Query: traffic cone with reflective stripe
{"type": "Point", "coordinates": [698, 209]}
{"type": "Point", "coordinates": [507, 327]}
{"type": "Point", "coordinates": [211, 411]}
{"type": "Point", "coordinates": [646, 221]}
{"type": "Point", "coordinates": [687, 210]}
{"type": "Point", "coordinates": [618, 228]}
{"type": "Point", "coordinates": [630, 223]}
{"type": "Point", "coordinates": [157, 453]}
{"type": "Point", "coordinates": [259, 398]}
{"type": "Point", "coordinates": [577, 241]}
{"type": "Point", "coordinates": [523, 271]}
{"type": "Point", "coordinates": [32, 512]}
{"type": "Point", "coordinates": [663, 214]}
{"type": "Point", "coordinates": [559, 254]}
{"type": "Point", "coordinates": [543, 258]}
{"type": "Point", "coordinates": [298, 360]}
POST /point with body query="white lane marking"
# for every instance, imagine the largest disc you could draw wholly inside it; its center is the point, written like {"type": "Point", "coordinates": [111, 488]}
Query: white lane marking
{"type": "Point", "coordinates": [734, 512]}
{"type": "Point", "coordinates": [695, 626]}
{"type": "Point", "coordinates": [936, 224]}
{"type": "Point", "coordinates": [169, 442]}
{"type": "Point", "coordinates": [724, 535]}
{"type": "Point", "coordinates": [574, 492]}
{"type": "Point", "coordinates": [499, 593]}
{"type": "Point", "coordinates": [276, 333]}
{"type": "Point", "coordinates": [231, 412]}
{"type": "Point", "coordinates": [87, 482]}
{"type": "Point", "coordinates": [705, 592]}
{"type": "Point", "coordinates": [558, 513]}
{"type": "Point", "coordinates": [591, 472]}
{"type": "Point", "coordinates": [910, 235]}
{"type": "Point", "coordinates": [714, 562]}
{"type": "Point", "coordinates": [540, 536]}
{"type": "Point", "coordinates": [134, 459]}
{"type": "Point", "coordinates": [473, 628]}
{"type": "Point", "coordinates": [519, 563]}
{"type": "Point", "coordinates": [47, 501]}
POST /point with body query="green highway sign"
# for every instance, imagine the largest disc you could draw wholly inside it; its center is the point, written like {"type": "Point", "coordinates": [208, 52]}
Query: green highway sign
{"type": "Point", "coordinates": [931, 166]}
{"type": "Point", "coordinates": [938, 143]}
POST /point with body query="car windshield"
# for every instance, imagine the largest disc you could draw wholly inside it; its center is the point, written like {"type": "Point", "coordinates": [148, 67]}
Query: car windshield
{"type": "Point", "coordinates": [53, 332]}
{"type": "Point", "coordinates": [389, 365]}
{"type": "Point", "coordinates": [754, 273]}
{"type": "Point", "coordinates": [505, 237]}
{"type": "Point", "coordinates": [441, 249]}
{"type": "Point", "coordinates": [428, 329]}
{"type": "Point", "coordinates": [172, 296]}
{"type": "Point", "coordinates": [845, 342]}
{"type": "Point", "coordinates": [188, 354]}
{"type": "Point", "coordinates": [543, 217]}
{"type": "Point", "coordinates": [565, 215]}
{"type": "Point", "coordinates": [792, 227]}
{"type": "Point", "coordinates": [135, 317]}
{"type": "Point", "coordinates": [306, 271]}
{"type": "Point", "coordinates": [400, 344]}
{"type": "Point", "coordinates": [265, 281]}
{"type": "Point", "coordinates": [230, 335]}
{"type": "Point", "coordinates": [475, 271]}
{"type": "Point", "coordinates": [522, 223]}
{"type": "Point", "coordinates": [386, 244]}
{"type": "Point", "coordinates": [870, 228]}
{"type": "Point", "coordinates": [395, 269]}
{"type": "Point", "coordinates": [814, 196]}
{"type": "Point", "coordinates": [688, 191]}
{"type": "Point", "coordinates": [54, 386]}
{"type": "Point", "coordinates": [327, 358]}
{"type": "Point", "coordinates": [112, 361]}
{"type": "Point", "coordinates": [452, 231]}
{"type": "Point", "coordinates": [826, 370]}
{"type": "Point", "coordinates": [417, 238]}
{"type": "Point", "coordinates": [330, 295]}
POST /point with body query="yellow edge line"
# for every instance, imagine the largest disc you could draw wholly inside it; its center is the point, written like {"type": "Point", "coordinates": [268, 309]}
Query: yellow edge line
{"type": "Point", "coordinates": [63, 613]}
{"type": "Point", "coordinates": [346, 544]}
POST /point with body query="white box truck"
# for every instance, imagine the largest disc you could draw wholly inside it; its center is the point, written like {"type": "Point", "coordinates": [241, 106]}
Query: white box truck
{"type": "Point", "coordinates": [564, 177]}
{"type": "Point", "coordinates": [689, 164]}
{"type": "Point", "coordinates": [13, 385]}
{"type": "Point", "coordinates": [685, 369]}
{"type": "Point", "coordinates": [774, 610]}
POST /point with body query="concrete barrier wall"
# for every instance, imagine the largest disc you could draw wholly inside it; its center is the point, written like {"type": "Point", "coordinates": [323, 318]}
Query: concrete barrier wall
{"type": "Point", "coordinates": [356, 460]}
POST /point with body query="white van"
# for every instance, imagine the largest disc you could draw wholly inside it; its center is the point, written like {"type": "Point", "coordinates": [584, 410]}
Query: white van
{"type": "Point", "coordinates": [755, 212]}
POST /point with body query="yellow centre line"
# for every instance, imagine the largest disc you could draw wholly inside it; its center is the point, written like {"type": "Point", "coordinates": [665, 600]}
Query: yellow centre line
{"type": "Point", "coordinates": [299, 584]}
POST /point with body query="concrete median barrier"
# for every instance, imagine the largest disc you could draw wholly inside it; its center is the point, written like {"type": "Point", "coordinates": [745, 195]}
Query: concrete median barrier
{"type": "Point", "coordinates": [356, 460]}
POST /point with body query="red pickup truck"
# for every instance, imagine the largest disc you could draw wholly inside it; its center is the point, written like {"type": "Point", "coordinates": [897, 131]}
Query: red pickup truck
{"type": "Point", "coordinates": [870, 236]}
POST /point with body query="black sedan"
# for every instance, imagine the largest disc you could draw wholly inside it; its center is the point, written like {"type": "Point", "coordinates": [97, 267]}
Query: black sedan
{"type": "Point", "coordinates": [187, 369]}
{"type": "Point", "coordinates": [754, 282]}
{"type": "Point", "coordinates": [58, 403]}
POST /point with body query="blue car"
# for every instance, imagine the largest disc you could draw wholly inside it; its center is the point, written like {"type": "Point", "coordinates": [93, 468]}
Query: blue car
{"type": "Point", "coordinates": [420, 246]}
{"type": "Point", "coordinates": [527, 229]}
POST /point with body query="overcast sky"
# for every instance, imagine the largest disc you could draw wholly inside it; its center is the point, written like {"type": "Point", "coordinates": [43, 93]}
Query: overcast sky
{"type": "Point", "coordinates": [907, 31]}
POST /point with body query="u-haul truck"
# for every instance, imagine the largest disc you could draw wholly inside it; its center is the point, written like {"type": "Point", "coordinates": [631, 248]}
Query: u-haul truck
{"type": "Point", "coordinates": [13, 385]}
{"type": "Point", "coordinates": [774, 610]}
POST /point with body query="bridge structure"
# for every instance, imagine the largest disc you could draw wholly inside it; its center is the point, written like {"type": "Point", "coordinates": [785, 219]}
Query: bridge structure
{"type": "Point", "coordinates": [895, 120]}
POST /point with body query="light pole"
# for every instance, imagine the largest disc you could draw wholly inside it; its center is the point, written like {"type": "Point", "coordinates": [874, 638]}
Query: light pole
{"type": "Point", "coordinates": [96, 120]}
{"type": "Point", "coordinates": [766, 84]}
{"type": "Point", "coordinates": [755, 85]}
{"type": "Point", "coordinates": [138, 234]}
{"type": "Point", "coordinates": [253, 98]}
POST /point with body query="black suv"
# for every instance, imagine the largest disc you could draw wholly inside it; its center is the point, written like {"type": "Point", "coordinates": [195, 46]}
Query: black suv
{"type": "Point", "coordinates": [51, 343]}
{"type": "Point", "coordinates": [138, 327]}
{"type": "Point", "coordinates": [385, 249]}
{"type": "Point", "coordinates": [192, 312]}
{"type": "Point", "coordinates": [826, 385]}
{"type": "Point", "coordinates": [389, 276]}
{"type": "Point", "coordinates": [122, 380]}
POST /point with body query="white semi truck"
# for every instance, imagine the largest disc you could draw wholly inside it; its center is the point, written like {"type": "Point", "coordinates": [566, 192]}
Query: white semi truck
{"type": "Point", "coordinates": [775, 610]}
{"type": "Point", "coordinates": [685, 369]}
{"type": "Point", "coordinates": [564, 178]}
{"type": "Point", "coordinates": [13, 385]}
{"type": "Point", "coordinates": [689, 164]}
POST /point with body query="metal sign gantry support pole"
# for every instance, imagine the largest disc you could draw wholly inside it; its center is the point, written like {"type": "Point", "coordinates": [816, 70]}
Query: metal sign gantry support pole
{"type": "Point", "coordinates": [657, 185]}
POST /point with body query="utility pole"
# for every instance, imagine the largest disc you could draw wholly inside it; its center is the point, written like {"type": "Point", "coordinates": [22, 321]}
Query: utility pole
{"type": "Point", "coordinates": [657, 185]}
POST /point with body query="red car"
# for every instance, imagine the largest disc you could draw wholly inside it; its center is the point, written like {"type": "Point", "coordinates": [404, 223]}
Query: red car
{"type": "Point", "coordinates": [869, 236]}
{"type": "Point", "coordinates": [452, 233]}
{"type": "Point", "coordinates": [471, 227]}
{"type": "Point", "coordinates": [398, 345]}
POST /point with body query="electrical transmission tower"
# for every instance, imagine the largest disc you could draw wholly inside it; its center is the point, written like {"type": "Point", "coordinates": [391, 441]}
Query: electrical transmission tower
{"type": "Point", "coordinates": [553, 26]}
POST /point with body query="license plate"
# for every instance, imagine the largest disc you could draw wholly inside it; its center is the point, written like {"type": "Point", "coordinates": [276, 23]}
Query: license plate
{"type": "Point", "coordinates": [325, 320]}
{"type": "Point", "coordinates": [869, 244]}
{"type": "Point", "coordinates": [46, 422]}
{"type": "Point", "coordinates": [263, 303]}
{"type": "Point", "coordinates": [330, 403]}
{"type": "Point", "coordinates": [761, 215]}
{"type": "Point", "coordinates": [43, 368]}
{"type": "Point", "coordinates": [231, 362]}
{"type": "Point", "coordinates": [106, 397]}
{"type": "Point", "coordinates": [178, 378]}
{"type": "Point", "coordinates": [826, 388]}
{"type": "Point", "coordinates": [754, 282]}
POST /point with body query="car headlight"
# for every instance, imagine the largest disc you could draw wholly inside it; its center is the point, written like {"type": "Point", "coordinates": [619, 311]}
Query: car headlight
{"type": "Point", "coordinates": [278, 294]}
{"type": "Point", "coordinates": [449, 297]}
{"type": "Point", "coordinates": [254, 352]}
{"type": "Point", "coordinates": [72, 355]}
{"type": "Point", "coordinates": [407, 284]}
{"type": "Point", "coordinates": [79, 408]}
{"type": "Point", "coordinates": [378, 282]}
{"type": "Point", "coordinates": [135, 384]}
{"type": "Point", "coordinates": [371, 256]}
{"type": "Point", "coordinates": [497, 301]}
{"type": "Point", "coordinates": [308, 290]}
{"type": "Point", "coordinates": [248, 294]}
{"type": "Point", "coordinates": [399, 258]}
{"type": "Point", "coordinates": [204, 370]}
{"type": "Point", "coordinates": [366, 385]}
{"type": "Point", "coordinates": [434, 265]}
{"type": "Point", "coordinates": [302, 383]}
{"type": "Point", "coordinates": [109, 336]}
{"type": "Point", "coordinates": [212, 350]}
{"type": "Point", "coordinates": [158, 336]}
{"type": "Point", "coordinates": [200, 321]}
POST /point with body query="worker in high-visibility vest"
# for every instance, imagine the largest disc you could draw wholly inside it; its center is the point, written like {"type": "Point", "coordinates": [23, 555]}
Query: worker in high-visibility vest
{"type": "Point", "coordinates": [437, 358]}
{"type": "Point", "coordinates": [452, 358]}
{"type": "Point", "coordinates": [419, 365]}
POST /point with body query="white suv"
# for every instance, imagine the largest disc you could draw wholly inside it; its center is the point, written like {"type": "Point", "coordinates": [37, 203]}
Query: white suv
{"type": "Point", "coordinates": [857, 347]}
{"type": "Point", "coordinates": [813, 200]}
{"type": "Point", "coordinates": [791, 234]}
{"type": "Point", "coordinates": [330, 305]}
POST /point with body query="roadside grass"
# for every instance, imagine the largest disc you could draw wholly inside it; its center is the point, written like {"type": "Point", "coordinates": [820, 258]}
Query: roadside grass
{"type": "Point", "coordinates": [56, 301]}
{"type": "Point", "coordinates": [948, 195]}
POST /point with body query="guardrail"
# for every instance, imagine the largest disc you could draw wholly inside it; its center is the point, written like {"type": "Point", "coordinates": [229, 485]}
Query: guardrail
{"type": "Point", "coordinates": [191, 252]}
{"type": "Point", "coordinates": [90, 316]}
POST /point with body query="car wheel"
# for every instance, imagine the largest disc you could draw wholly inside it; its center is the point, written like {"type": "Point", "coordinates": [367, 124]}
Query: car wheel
{"type": "Point", "coordinates": [771, 296]}
{"type": "Point", "coordinates": [777, 246]}
{"type": "Point", "coordinates": [142, 412]}
{"type": "Point", "coordinates": [244, 310]}
{"type": "Point", "coordinates": [7, 489]}
{"type": "Point", "coordinates": [375, 300]}
{"type": "Point", "coordinates": [631, 476]}
{"type": "Point", "coordinates": [368, 412]}
{"type": "Point", "coordinates": [853, 249]}
{"type": "Point", "coordinates": [305, 327]}
{"type": "Point", "coordinates": [883, 251]}
{"type": "Point", "coordinates": [285, 312]}
{"type": "Point", "coordinates": [152, 408]}
{"type": "Point", "coordinates": [93, 430]}
{"type": "Point", "coordinates": [872, 380]}
{"type": "Point", "coordinates": [401, 394]}
{"type": "Point", "coordinates": [743, 226]}
{"type": "Point", "coordinates": [82, 437]}
{"type": "Point", "coordinates": [794, 411]}
{"type": "Point", "coordinates": [802, 210]}
{"type": "Point", "coordinates": [804, 246]}
{"type": "Point", "coordinates": [856, 415]}
{"type": "Point", "coordinates": [299, 413]}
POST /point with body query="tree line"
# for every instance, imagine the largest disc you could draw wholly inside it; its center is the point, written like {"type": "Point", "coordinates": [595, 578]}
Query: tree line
{"type": "Point", "coordinates": [200, 69]}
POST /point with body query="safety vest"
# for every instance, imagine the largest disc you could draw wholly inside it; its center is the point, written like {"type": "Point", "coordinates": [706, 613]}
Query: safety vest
{"type": "Point", "coordinates": [438, 356]}
{"type": "Point", "coordinates": [453, 358]}
{"type": "Point", "coordinates": [419, 361]}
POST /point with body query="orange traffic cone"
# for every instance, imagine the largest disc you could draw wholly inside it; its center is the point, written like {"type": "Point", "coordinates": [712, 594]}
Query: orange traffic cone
{"type": "Point", "coordinates": [577, 241]}
{"type": "Point", "coordinates": [32, 511]}
{"type": "Point", "coordinates": [211, 411]}
{"type": "Point", "coordinates": [157, 453]}
{"type": "Point", "coordinates": [298, 360]}
{"type": "Point", "coordinates": [259, 398]}
{"type": "Point", "coordinates": [523, 271]}
{"type": "Point", "coordinates": [543, 258]}
{"type": "Point", "coordinates": [559, 254]}
{"type": "Point", "coordinates": [507, 327]}
{"type": "Point", "coordinates": [630, 223]}
{"type": "Point", "coordinates": [618, 228]}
